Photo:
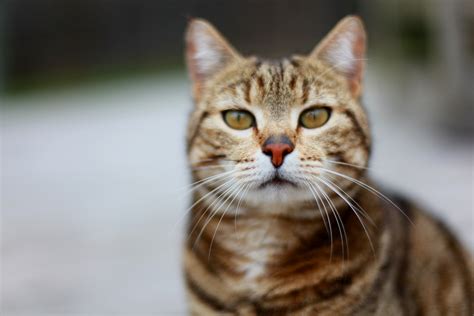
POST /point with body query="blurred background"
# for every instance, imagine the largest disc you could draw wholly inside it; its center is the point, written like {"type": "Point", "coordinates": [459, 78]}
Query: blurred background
{"type": "Point", "coordinates": [94, 99]}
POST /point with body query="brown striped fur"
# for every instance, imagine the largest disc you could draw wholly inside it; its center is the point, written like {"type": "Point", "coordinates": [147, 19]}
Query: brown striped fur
{"type": "Point", "coordinates": [261, 248]}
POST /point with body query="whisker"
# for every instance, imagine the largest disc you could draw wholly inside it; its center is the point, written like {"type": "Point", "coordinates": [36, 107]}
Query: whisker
{"type": "Point", "coordinates": [235, 193]}
{"type": "Point", "coordinates": [209, 167]}
{"type": "Point", "coordinates": [370, 189]}
{"type": "Point", "coordinates": [357, 205]}
{"type": "Point", "coordinates": [202, 198]}
{"type": "Point", "coordinates": [347, 164]}
{"type": "Point", "coordinates": [217, 199]}
{"type": "Point", "coordinates": [213, 212]}
{"type": "Point", "coordinates": [205, 161]}
{"type": "Point", "coordinates": [351, 206]}
{"type": "Point", "coordinates": [193, 186]}
{"type": "Point", "coordinates": [247, 187]}
{"type": "Point", "coordinates": [339, 222]}
{"type": "Point", "coordinates": [196, 162]}
{"type": "Point", "coordinates": [317, 199]}
{"type": "Point", "coordinates": [328, 230]}
{"type": "Point", "coordinates": [212, 191]}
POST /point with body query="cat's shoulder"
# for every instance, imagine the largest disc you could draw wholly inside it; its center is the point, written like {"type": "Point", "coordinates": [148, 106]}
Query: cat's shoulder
{"type": "Point", "coordinates": [440, 264]}
{"type": "Point", "coordinates": [429, 229]}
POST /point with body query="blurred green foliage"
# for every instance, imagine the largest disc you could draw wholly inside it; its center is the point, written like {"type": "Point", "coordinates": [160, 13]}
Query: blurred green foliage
{"type": "Point", "coordinates": [60, 80]}
{"type": "Point", "coordinates": [415, 38]}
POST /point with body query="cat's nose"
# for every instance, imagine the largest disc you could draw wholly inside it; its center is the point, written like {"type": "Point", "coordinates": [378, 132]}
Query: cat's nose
{"type": "Point", "coordinates": [277, 147]}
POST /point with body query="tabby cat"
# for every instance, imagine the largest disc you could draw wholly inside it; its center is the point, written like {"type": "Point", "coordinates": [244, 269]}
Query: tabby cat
{"type": "Point", "coordinates": [284, 219]}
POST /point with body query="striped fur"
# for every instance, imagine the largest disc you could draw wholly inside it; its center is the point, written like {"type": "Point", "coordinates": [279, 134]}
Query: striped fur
{"type": "Point", "coordinates": [326, 244]}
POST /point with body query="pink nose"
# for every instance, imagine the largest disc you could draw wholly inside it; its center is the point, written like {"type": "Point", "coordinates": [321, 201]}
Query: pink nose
{"type": "Point", "coordinates": [277, 148]}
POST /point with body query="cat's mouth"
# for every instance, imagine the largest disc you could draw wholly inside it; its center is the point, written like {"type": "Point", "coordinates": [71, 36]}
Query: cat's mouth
{"type": "Point", "coordinates": [277, 181]}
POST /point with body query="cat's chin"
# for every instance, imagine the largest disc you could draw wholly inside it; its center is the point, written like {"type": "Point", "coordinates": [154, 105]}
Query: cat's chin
{"type": "Point", "coordinates": [278, 191]}
{"type": "Point", "coordinates": [277, 183]}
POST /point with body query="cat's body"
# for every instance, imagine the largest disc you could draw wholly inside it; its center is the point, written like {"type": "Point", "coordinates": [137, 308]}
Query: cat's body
{"type": "Point", "coordinates": [280, 266]}
{"type": "Point", "coordinates": [284, 221]}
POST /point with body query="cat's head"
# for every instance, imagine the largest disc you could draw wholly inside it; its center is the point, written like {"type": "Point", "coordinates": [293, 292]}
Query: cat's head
{"type": "Point", "coordinates": [279, 131]}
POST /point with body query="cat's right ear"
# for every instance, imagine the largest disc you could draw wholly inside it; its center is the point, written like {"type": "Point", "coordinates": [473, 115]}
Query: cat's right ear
{"type": "Point", "coordinates": [207, 52]}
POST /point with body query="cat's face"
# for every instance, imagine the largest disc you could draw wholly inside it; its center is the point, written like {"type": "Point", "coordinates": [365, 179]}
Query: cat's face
{"type": "Point", "coordinates": [277, 131]}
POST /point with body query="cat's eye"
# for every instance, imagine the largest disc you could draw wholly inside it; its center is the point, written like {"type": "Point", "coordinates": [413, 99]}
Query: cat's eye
{"type": "Point", "coordinates": [314, 117]}
{"type": "Point", "coordinates": [238, 119]}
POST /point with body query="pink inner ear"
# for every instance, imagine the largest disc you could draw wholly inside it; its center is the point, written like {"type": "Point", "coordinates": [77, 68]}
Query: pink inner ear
{"type": "Point", "coordinates": [344, 50]}
{"type": "Point", "coordinates": [356, 75]}
{"type": "Point", "coordinates": [199, 45]}
{"type": "Point", "coordinates": [195, 76]}
{"type": "Point", "coordinates": [207, 52]}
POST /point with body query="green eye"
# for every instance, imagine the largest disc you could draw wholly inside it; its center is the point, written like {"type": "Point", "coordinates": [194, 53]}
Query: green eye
{"type": "Point", "coordinates": [238, 119]}
{"type": "Point", "coordinates": [314, 117]}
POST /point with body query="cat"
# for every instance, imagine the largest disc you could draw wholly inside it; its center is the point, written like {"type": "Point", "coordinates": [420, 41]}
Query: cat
{"type": "Point", "coordinates": [284, 219]}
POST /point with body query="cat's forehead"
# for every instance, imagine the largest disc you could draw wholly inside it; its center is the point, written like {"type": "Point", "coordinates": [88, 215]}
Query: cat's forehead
{"type": "Point", "coordinates": [275, 86]}
{"type": "Point", "coordinates": [273, 83]}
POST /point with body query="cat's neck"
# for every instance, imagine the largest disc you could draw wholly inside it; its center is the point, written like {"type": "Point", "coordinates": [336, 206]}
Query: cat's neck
{"type": "Point", "coordinates": [250, 243]}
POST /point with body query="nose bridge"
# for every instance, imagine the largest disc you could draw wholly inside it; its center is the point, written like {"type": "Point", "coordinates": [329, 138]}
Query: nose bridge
{"type": "Point", "coordinates": [276, 129]}
{"type": "Point", "coordinates": [280, 139]}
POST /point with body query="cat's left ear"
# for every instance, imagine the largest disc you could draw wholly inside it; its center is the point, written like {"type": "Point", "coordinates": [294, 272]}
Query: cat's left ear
{"type": "Point", "coordinates": [207, 52]}
{"type": "Point", "coordinates": [343, 49]}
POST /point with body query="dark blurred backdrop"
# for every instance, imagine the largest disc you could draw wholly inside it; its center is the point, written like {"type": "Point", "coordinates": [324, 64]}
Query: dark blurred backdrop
{"type": "Point", "coordinates": [50, 38]}
{"type": "Point", "coordinates": [59, 42]}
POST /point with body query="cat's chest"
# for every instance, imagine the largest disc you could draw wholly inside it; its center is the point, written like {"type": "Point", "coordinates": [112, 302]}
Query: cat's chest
{"type": "Point", "coordinates": [254, 267]}
{"type": "Point", "coordinates": [258, 260]}
{"type": "Point", "coordinates": [260, 250]}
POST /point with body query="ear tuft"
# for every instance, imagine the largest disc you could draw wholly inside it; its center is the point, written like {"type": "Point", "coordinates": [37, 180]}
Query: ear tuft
{"type": "Point", "coordinates": [344, 50]}
{"type": "Point", "coordinates": [206, 51]}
